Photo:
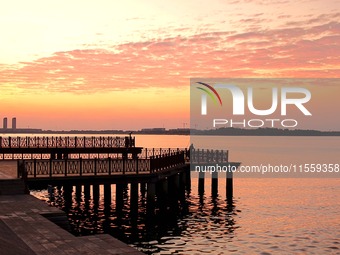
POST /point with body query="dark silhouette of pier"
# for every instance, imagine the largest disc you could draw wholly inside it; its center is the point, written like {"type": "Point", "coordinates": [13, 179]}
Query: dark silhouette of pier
{"type": "Point", "coordinates": [206, 161]}
{"type": "Point", "coordinates": [69, 161]}
{"type": "Point", "coordinates": [67, 147]}
{"type": "Point", "coordinates": [159, 177]}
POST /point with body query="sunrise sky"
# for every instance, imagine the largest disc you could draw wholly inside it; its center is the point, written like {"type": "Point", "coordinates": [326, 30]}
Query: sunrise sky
{"type": "Point", "coordinates": [126, 64]}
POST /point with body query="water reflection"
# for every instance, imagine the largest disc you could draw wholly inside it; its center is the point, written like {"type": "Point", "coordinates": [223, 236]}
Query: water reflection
{"type": "Point", "coordinates": [163, 227]}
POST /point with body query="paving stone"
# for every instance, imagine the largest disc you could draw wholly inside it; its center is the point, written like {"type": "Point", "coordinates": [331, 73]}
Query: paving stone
{"type": "Point", "coordinates": [24, 231]}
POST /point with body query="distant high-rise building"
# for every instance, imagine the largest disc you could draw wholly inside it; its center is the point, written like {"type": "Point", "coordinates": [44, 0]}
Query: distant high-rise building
{"type": "Point", "coordinates": [5, 123]}
{"type": "Point", "coordinates": [14, 123]}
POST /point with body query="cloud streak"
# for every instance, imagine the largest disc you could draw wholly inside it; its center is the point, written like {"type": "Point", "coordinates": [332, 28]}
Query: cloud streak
{"type": "Point", "coordinates": [309, 49]}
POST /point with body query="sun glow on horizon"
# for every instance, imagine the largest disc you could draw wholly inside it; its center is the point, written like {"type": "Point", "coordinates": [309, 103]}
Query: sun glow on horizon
{"type": "Point", "coordinates": [119, 61]}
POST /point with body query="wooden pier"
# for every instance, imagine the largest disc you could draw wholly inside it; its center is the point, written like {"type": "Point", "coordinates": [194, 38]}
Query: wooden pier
{"type": "Point", "coordinates": [108, 160]}
{"type": "Point", "coordinates": [207, 161]}
{"type": "Point", "coordinates": [53, 171]}
{"type": "Point", "coordinates": [77, 165]}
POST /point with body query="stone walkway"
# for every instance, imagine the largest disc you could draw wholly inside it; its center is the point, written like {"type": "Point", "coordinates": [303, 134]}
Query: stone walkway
{"type": "Point", "coordinates": [8, 169]}
{"type": "Point", "coordinates": [24, 231]}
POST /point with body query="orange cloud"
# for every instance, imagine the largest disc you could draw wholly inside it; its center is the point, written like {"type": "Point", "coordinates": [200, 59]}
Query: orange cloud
{"type": "Point", "coordinates": [170, 62]}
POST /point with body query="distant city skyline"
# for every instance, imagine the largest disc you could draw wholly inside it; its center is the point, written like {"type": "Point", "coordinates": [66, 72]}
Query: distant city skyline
{"type": "Point", "coordinates": [126, 65]}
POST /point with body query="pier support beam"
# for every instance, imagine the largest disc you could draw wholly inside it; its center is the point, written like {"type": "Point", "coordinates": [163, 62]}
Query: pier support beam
{"type": "Point", "coordinates": [188, 178]}
{"type": "Point", "coordinates": [214, 184]}
{"type": "Point", "coordinates": [134, 200]}
{"type": "Point", "coordinates": [67, 193]}
{"type": "Point", "coordinates": [201, 179]}
{"type": "Point", "coordinates": [143, 188]}
{"type": "Point", "coordinates": [134, 192]}
{"type": "Point", "coordinates": [174, 185]}
{"type": "Point", "coordinates": [107, 203]}
{"type": "Point", "coordinates": [162, 193]}
{"type": "Point", "coordinates": [119, 199]}
{"type": "Point", "coordinates": [229, 187]}
{"type": "Point", "coordinates": [95, 188]}
{"type": "Point", "coordinates": [107, 194]}
{"type": "Point", "coordinates": [165, 186]}
{"type": "Point", "coordinates": [151, 192]}
{"type": "Point", "coordinates": [87, 195]}
{"type": "Point", "coordinates": [78, 193]}
{"type": "Point", "coordinates": [182, 177]}
{"type": "Point", "coordinates": [177, 181]}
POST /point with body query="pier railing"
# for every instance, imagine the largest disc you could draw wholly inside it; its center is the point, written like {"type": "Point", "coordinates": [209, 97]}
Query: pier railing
{"type": "Point", "coordinates": [67, 142]}
{"type": "Point", "coordinates": [208, 156]}
{"type": "Point", "coordinates": [145, 153]}
{"type": "Point", "coordinates": [154, 152]}
{"type": "Point", "coordinates": [94, 167]}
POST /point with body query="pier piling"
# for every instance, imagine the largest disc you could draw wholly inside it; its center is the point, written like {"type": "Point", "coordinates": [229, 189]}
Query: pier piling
{"type": "Point", "coordinates": [229, 185]}
{"type": "Point", "coordinates": [134, 199]}
{"type": "Point", "coordinates": [201, 180]}
{"type": "Point", "coordinates": [214, 184]}
{"type": "Point", "coordinates": [107, 193]}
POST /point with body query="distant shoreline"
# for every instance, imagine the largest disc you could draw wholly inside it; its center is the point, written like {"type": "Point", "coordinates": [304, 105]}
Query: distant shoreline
{"type": "Point", "coordinates": [182, 131]}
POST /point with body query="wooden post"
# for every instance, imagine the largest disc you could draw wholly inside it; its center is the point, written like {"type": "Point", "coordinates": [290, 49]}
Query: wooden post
{"type": "Point", "coordinates": [188, 177]}
{"type": "Point", "coordinates": [67, 193]}
{"type": "Point", "coordinates": [119, 199]}
{"type": "Point", "coordinates": [95, 188]}
{"type": "Point", "coordinates": [87, 192]}
{"type": "Point", "coordinates": [230, 185]}
{"type": "Point", "coordinates": [143, 188]}
{"type": "Point", "coordinates": [214, 184]}
{"type": "Point", "coordinates": [134, 200]}
{"type": "Point", "coordinates": [107, 193]}
{"type": "Point", "coordinates": [78, 193]}
{"type": "Point", "coordinates": [176, 182]}
{"type": "Point", "coordinates": [21, 169]}
{"type": "Point", "coordinates": [182, 177]}
{"type": "Point", "coordinates": [201, 179]}
{"type": "Point", "coordinates": [229, 182]}
{"type": "Point", "coordinates": [165, 186]}
{"type": "Point", "coordinates": [151, 192]}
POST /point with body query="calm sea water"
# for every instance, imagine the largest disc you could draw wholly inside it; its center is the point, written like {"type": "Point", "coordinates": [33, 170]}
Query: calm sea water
{"type": "Point", "coordinates": [267, 216]}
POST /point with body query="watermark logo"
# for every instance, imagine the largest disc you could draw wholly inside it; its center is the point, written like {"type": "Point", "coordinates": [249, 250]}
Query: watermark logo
{"type": "Point", "coordinates": [239, 99]}
{"type": "Point", "coordinates": [209, 90]}
{"type": "Point", "coordinates": [243, 103]}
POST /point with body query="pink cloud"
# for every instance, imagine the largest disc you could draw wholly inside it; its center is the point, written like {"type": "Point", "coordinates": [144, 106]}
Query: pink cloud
{"type": "Point", "coordinates": [170, 62]}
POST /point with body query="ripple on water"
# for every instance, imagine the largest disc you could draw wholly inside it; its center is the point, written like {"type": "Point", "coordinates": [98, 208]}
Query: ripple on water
{"type": "Point", "coordinates": [262, 224]}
